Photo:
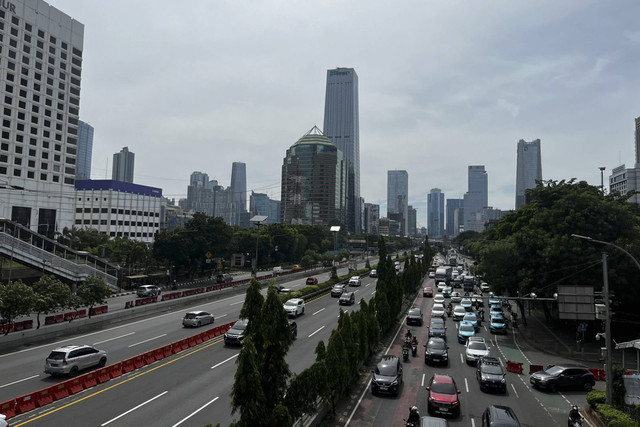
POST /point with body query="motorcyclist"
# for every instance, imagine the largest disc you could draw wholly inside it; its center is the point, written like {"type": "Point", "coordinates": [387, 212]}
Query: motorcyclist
{"type": "Point", "coordinates": [414, 416]}
{"type": "Point", "coordinates": [574, 417]}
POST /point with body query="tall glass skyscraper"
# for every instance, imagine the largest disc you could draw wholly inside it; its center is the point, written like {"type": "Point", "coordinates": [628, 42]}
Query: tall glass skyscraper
{"type": "Point", "coordinates": [85, 148]}
{"type": "Point", "coordinates": [452, 205]}
{"type": "Point", "coordinates": [475, 199]}
{"type": "Point", "coordinates": [398, 197]}
{"type": "Point", "coordinates": [123, 165]}
{"type": "Point", "coordinates": [435, 213]}
{"type": "Point", "coordinates": [239, 189]}
{"type": "Point", "coordinates": [342, 126]}
{"type": "Point", "coordinates": [529, 168]}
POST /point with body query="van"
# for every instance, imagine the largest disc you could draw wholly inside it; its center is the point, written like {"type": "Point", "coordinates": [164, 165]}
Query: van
{"type": "Point", "coordinates": [277, 270]}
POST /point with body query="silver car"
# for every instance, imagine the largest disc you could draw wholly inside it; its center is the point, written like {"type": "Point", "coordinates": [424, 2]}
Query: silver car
{"type": "Point", "coordinates": [197, 318]}
{"type": "Point", "coordinates": [71, 359]}
{"type": "Point", "coordinates": [148, 291]}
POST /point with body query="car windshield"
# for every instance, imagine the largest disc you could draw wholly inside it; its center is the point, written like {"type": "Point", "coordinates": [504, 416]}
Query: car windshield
{"type": "Point", "coordinates": [498, 320]}
{"type": "Point", "coordinates": [337, 287]}
{"type": "Point", "coordinates": [466, 328]}
{"type": "Point", "coordinates": [443, 388]}
{"type": "Point", "coordinates": [414, 312]}
{"type": "Point", "coordinates": [477, 346]}
{"type": "Point", "coordinates": [554, 370]}
{"type": "Point", "coordinates": [386, 370]}
{"type": "Point", "coordinates": [291, 303]}
{"type": "Point", "coordinates": [470, 316]}
{"type": "Point", "coordinates": [240, 325]}
{"type": "Point", "coordinates": [437, 323]}
{"type": "Point", "coordinates": [492, 369]}
{"type": "Point", "coordinates": [460, 310]}
{"type": "Point", "coordinates": [56, 355]}
{"type": "Point", "coordinates": [190, 316]}
{"type": "Point", "coordinates": [437, 344]}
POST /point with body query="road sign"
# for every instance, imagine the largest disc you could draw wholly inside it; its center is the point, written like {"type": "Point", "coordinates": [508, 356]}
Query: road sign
{"type": "Point", "coordinates": [208, 255]}
{"type": "Point", "coordinates": [576, 302]}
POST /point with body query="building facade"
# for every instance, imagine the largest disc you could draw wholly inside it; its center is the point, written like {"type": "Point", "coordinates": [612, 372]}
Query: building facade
{"type": "Point", "coordinates": [342, 127]}
{"type": "Point", "coordinates": [475, 199]}
{"type": "Point", "coordinates": [412, 221]}
{"type": "Point", "coordinates": [371, 219]}
{"type": "Point", "coordinates": [239, 190]}
{"type": "Point", "coordinates": [123, 163]}
{"type": "Point", "coordinates": [313, 182]}
{"type": "Point", "coordinates": [398, 197]}
{"type": "Point", "coordinates": [435, 214]}
{"type": "Point", "coordinates": [624, 180]}
{"type": "Point", "coordinates": [41, 51]}
{"type": "Point", "coordinates": [528, 169]}
{"type": "Point", "coordinates": [85, 149]}
{"type": "Point", "coordinates": [118, 209]}
{"type": "Point", "coordinates": [452, 205]}
{"type": "Point", "coordinates": [261, 204]}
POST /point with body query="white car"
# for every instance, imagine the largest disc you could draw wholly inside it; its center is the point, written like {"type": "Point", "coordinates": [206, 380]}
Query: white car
{"type": "Point", "coordinates": [437, 310]}
{"type": "Point", "coordinates": [438, 299]}
{"type": "Point", "coordinates": [432, 274]}
{"type": "Point", "coordinates": [459, 312]}
{"type": "Point", "coordinates": [456, 297]}
{"type": "Point", "coordinates": [197, 319]}
{"type": "Point", "coordinates": [294, 307]}
{"type": "Point", "coordinates": [484, 287]}
{"type": "Point", "coordinates": [475, 350]}
{"type": "Point", "coordinates": [441, 286]}
{"type": "Point", "coordinates": [354, 281]}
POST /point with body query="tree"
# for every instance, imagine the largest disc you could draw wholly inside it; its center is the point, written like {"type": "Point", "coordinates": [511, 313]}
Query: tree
{"type": "Point", "coordinates": [16, 299]}
{"type": "Point", "coordinates": [246, 394]}
{"type": "Point", "coordinates": [337, 366]}
{"type": "Point", "coordinates": [93, 291]}
{"type": "Point", "coordinates": [50, 294]}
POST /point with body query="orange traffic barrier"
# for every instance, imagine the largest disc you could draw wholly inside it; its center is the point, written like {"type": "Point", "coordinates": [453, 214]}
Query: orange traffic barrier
{"type": "Point", "coordinates": [82, 313]}
{"type": "Point", "coordinates": [60, 391]}
{"type": "Point", "coordinates": [535, 368]}
{"type": "Point", "coordinates": [44, 397]}
{"type": "Point", "coordinates": [184, 344]}
{"type": "Point", "coordinates": [138, 361]}
{"type": "Point", "coordinates": [594, 371]}
{"type": "Point", "coordinates": [128, 304]}
{"type": "Point", "coordinates": [192, 341]}
{"type": "Point", "coordinates": [198, 338]}
{"type": "Point", "coordinates": [75, 385]}
{"type": "Point", "coordinates": [601, 375]}
{"type": "Point", "coordinates": [90, 379]}
{"type": "Point", "coordinates": [59, 318]}
{"type": "Point", "coordinates": [103, 375]}
{"type": "Point", "coordinates": [8, 408]}
{"type": "Point", "coordinates": [158, 354]}
{"type": "Point", "coordinates": [176, 347]}
{"type": "Point", "coordinates": [128, 365]}
{"type": "Point", "coordinates": [167, 350]}
{"type": "Point", "coordinates": [49, 320]}
{"type": "Point", "coordinates": [149, 357]}
{"type": "Point", "coordinates": [115, 370]}
{"type": "Point", "coordinates": [26, 403]}
{"type": "Point", "coordinates": [514, 367]}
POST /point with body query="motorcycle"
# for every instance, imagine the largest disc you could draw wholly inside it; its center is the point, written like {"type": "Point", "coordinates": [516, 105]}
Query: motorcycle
{"type": "Point", "coordinates": [573, 423]}
{"type": "Point", "coordinates": [405, 353]}
{"type": "Point", "coordinates": [448, 311]}
{"type": "Point", "coordinates": [414, 348]}
{"type": "Point", "coordinates": [414, 418]}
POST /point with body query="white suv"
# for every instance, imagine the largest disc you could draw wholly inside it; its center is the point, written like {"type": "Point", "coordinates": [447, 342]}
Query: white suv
{"type": "Point", "coordinates": [354, 281]}
{"type": "Point", "coordinates": [294, 307]}
{"type": "Point", "coordinates": [71, 359]}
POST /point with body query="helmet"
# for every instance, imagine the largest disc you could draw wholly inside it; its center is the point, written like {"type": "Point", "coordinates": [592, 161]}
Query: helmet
{"type": "Point", "coordinates": [414, 410]}
{"type": "Point", "coordinates": [574, 408]}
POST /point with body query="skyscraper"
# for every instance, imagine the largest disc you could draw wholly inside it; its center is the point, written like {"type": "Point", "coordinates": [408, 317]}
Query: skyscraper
{"type": "Point", "coordinates": [85, 148]}
{"type": "Point", "coordinates": [452, 205]}
{"type": "Point", "coordinates": [398, 198]}
{"type": "Point", "coordinates": [475, 199]}
{"type": "Point", "coordinates": [342, 126]}
{"type": "Point", "coordinates": [435, 213]}
{"type": "Point", "coordinates": [41, 52]}
{"type": "Point", "coordinates": [371, 219]}
{"type": "Point", "coordinates": [239, 189]}
{"type": "Point", "coordinates": [637, 137]}
{"type": "Point", "coordinates": [529, 168]}
{"type": "Point", "coordinates": [313, 190]}
{"type": "Point", "coordinates": [123, 165]}
{"type": "Point", "coordinates": [412, 221]}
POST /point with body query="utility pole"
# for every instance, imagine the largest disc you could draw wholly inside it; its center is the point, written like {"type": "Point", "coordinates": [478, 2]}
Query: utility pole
{"type": "Point", "coordinates": [608, 339]}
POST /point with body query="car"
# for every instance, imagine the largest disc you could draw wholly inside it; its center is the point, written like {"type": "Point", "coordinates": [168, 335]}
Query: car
{"type": "Point", "coordinates": [71, 359]}
{"type": "Point", "coordinates": [347, 298]}
{"type": "Point", "coordinates": [566, 376]}
{"type": "Point", "coordinates": [493, 300]}
{"type": "Point", "coordinates": [387, 376]}
{"type": "Point", "coordinates": [224, 278]}
{"type": "Point", "coordinates": [294, 307]}
{"type": "Point", "coordinates": [435, 351]}
{"type": "Point", "coordinates": [282, 290]}
{"type": "Point", "coordinates": [277, 270]}
{"type": "Point", "coordinates": [296, 267]}
{"type": "Point", "coordinates": [456, 297]}
{"type": "Point", "coordinates": [432, 274]}
{"type": "Point", "coordinates": [484, 287]}
{"type": "Point", "coordinates": [466, 303]}
{"type": "Point", "coordinates": [414, 317]}
{"type": "Point", "coordinates": [477, 300]}
{"type": "Point", "coordinates": [355, 281]}
{"type": "Point", "coordinates": [457, 282]}
{"type": "Point", "coordinates": [433, 422]}
{"type": "Point", "coordinates": [427, 291]}
{"type": "Point", "coordinates": [148, 291]}
{"type": "Point", "coordinates": [497, 325]}
{"type": "Point", "coordinates": [312, 281]}
{"type": "Point", "coordinates": [458, 312]}
{"type": "Point", "coordinates": [373, 273]}
{"type": "Point", "coordinates": [465, 330]}
{"type": "Point", "coordinates": [446, 291]}
{"type": "Point", "coordinates": [437, 310]}
{"type": "Point", "coordinates": [197, 319]}
{"type": "Point", "coordinates": [235, 334]}
{"type": "Point", "coordinates": [3, 422]}
{"type": "Point", "coordinates": [471, 318]}
{"type": "Point", "coordinates": [440, 287]}
{"type": "Point", "coordinates": [437, 328]}
{"type": "Point", "coordinates": [490, 374]}
{"type": "Point", "coordinates": [338, 289]}
{"type": "Point", "coordinates": [475, 350]}
{"type": "Point", "coordinates": [438, 299]}
{"type": "Point", "coordinates": [443, 396]}
{"type": "Point", "coordinates": [499, 416]}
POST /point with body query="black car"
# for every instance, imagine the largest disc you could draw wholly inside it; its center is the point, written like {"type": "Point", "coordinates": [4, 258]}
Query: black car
{"type": "Point", "coordinates": [499, 416]}
{"type": "Point", "coordinates": [347, 298]}
{"type": "Point", "coordinates": [567, 376]}
{"type": "Point", "coordinates": [235, 334]}
{"type": "Point", "coordinates": [490, 375]}
{"type": "Point", "coordinates": [436, 351]}
{"type": "Point", "coordinates": [414, 317]}
{"type": "Point", "coordinates": [387, 377]}
{"type": "Point", "coordinates": [437, 328]}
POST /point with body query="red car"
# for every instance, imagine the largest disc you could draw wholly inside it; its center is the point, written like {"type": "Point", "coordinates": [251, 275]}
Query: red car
{"type": "Point", "coordinates": [312, 281]}
{"type": "Point", "coordinates": [443, 396]}
{"type": "Point", "coordinates": [427, 291]}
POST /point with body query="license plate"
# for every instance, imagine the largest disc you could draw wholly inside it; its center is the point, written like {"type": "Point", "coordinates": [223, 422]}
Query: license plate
{"type": "Point", "coordinates": [383, 387]}
{"type": "Point", "coordinates": [444, 409]}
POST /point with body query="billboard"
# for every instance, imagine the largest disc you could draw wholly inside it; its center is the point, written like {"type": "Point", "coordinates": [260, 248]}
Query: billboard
{"type": "Point", "coordinates": [576, 302]}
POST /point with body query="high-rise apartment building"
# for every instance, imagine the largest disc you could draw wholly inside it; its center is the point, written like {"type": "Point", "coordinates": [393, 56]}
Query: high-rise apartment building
{"type": "Point", "coordinates": [342, 126]}
{"type": "Point", "coordinates": [637, 139]}
{"type": "Point", "coordinates": [529, 168]}
{"type": "Point", "coordinates": [398, 198]}
{"type": "Point", "coordinates": [475, 199]}
{"type": "Point", "coordinates": [452, 205]}
{"type": "Point", "coordinates": [313, 191]}
{"type": "Point", "coordinates": [371, 223]}
{"type": "Point", "coordinates": [85, 149]}
{"type": "Point", "coordinates": [41, 52]}
{"type": "Point", "coordinates": [624, 180]}
{"type": "Point", "coordinates": [123, 163]}
{"type": "Point", "coordinates": [435, 214]}
{"type": "Point", "coordinates": [412, 221]}
{"type": "Point", "coordinates": [239, 190]}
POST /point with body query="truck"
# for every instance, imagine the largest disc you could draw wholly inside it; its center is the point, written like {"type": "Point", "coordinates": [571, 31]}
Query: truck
{"type": "Point", "coordinates": [453, 261]}
{"type": "Point", "coordinates": [468, 283]}
{"type": "Point", "coordinates": [443, 274]}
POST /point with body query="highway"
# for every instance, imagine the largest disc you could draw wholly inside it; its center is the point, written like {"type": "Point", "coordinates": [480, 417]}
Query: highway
{"type": "Point", "coordinates": [191, 388]}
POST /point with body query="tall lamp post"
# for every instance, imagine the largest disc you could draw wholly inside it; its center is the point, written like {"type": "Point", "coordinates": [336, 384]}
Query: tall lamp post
{"type": "Point", "coordinates": [607, 323]}
{"type": "Point", "coordinates": [602, 168]}
{"type": "Point", "coordinates": [258, 220]}
{"type": "Point", "coordinates": [335, 229]}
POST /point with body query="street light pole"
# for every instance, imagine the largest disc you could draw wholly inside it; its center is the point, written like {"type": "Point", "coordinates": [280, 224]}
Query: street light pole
{"type": "Point", "coordinates": [602, 168]}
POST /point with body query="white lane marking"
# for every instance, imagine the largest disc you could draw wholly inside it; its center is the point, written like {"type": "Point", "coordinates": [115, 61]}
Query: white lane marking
{"type": "Point", "coordinates": [318, 330]}
{"type": "Point", "coordinates": [461, 359]}
{"type": "Point", "coordinates": [133, 409]}
{"type": "Point", "coordinates": [373, 292]}
{"type": "Point", "coordinates": [224, 361]}
{"type": "Point", "coordinates": [473, 423]}
{"type": "Point", "coordinates": [114, 338]}
{"type": "Point", "coordinates": [322, 309]}
{"type": "Point", "coordinates": [514, 390]}
{"type": "Point", "coordinates": [422, 382]}
{"type": "Point", "coordinates": [195, 412]}
{"type": "Point", "coordinates": [485, 328]}
{"type": "Point", "coordinates": [222, 315]}
{"type": "Point", "coordinates": [236, 303]}
{"type": "Point", "coordinates": [367, 285]}
{"type": "Point", "coordinates": [19, 381]}
{"type": "Point", "coordinates": [466, 384]}
{"type": "Point", "coordinates": [150, 339]}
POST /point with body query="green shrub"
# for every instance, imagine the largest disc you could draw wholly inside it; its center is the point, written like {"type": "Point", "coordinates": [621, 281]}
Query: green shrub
{"type": "Point", "coordinates": [596, 396]}
{"type": "Point", "coordinates": [612, 417]}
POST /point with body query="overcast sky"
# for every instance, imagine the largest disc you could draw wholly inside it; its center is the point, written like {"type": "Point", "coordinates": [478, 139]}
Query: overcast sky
{"type": "Point", "coordinates": [194, 86]}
